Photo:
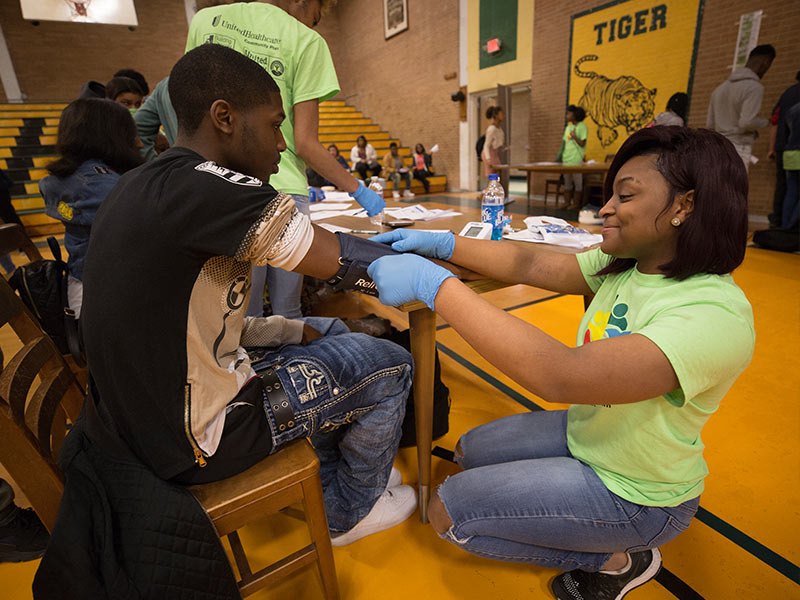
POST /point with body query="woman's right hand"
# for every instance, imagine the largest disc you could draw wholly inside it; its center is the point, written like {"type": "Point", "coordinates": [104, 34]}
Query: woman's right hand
{"type": "Point", "coordinates": [426, 243]}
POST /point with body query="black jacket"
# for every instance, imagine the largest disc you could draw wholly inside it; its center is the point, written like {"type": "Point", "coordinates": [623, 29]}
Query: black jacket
{"type": "Point", "coordinates": [122, 532]}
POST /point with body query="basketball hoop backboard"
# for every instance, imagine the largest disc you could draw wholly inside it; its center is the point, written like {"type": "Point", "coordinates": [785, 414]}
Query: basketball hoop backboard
{"type": "Point", "coordinates": [111, 12]}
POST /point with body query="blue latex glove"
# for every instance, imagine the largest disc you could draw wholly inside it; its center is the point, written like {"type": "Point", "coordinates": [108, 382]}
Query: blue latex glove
{"type": "Point", "coordinates": [370, 200]}
{"type": "Point", "coordinates": [406, 278]}
{"type": "Point", "coordinates": [435, 245]}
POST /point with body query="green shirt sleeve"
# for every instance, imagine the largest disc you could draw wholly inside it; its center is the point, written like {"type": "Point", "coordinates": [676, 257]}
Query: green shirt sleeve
{"type": "Point", "coordinates": [590, 262]}
{"type": "Point", "coordinates": [705, 343]}
{"type": "Point", "coordinates": [315, 75]}
{"type": "Point", "coordinates": [581, 131]}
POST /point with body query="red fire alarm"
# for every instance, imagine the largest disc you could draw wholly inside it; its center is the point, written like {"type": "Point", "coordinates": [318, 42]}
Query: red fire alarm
{"type": "Point", "coordinates": [493, 46]}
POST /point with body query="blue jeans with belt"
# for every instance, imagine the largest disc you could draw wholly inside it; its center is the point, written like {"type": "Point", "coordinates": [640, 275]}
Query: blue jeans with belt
{"type": "Point", "coordinates": [348, 393]}
{"type": "Point", "coordinates": [285, 287]}
{"type": "Point", "coordinates": [523, 498]}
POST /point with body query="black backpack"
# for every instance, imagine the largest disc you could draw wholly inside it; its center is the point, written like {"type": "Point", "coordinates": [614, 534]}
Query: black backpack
{"type": "Point", "coordinates": [479, 147]}
{"type": "Point", "coordinates": [42, 286]}
{"type": "Point", "coordinates": [783, 240]}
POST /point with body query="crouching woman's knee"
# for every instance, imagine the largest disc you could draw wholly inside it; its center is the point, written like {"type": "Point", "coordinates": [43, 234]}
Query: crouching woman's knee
{"type": "Point", "coordinates": [437, 514]}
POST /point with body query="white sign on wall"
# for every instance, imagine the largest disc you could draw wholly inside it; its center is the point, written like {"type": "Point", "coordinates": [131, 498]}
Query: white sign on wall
{"type": "Point", "coordinates": [111, 12]}
{"type": "Point", "coordinates": [749, 27]}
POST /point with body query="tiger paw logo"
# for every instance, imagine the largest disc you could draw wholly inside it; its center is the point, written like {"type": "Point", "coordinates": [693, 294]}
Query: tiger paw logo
{"type": "Point", "coordinates": [607, 324]}
{"type": "Point", "coordinates": [65, 210]}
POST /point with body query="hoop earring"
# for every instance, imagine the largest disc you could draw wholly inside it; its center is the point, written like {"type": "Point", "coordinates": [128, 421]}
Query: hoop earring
{"type": "Point", "coordinates": [676, 222]}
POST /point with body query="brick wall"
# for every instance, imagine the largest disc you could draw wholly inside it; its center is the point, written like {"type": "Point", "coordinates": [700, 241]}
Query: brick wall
{"type": "Point", "coordinates": [715, 54]}
{"type": "Point", "coordinates": [399, 83]}
{"type": "Point", "coordinates": [52, 60]}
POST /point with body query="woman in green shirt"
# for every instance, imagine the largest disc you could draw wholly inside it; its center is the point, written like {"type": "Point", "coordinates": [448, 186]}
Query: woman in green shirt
{"type": "Point", "coordinates": [595, 489]}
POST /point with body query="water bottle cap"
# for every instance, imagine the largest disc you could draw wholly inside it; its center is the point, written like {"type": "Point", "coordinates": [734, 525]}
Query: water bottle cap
{"type": "Point", "coordinates": [494, 177]}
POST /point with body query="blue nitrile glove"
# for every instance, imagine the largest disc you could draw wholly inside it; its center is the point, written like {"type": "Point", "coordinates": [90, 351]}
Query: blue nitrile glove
{"type": "Point", "coordinates": [427, 243]}
{"type": "Point", "coordinates": [370, 200]}
{"type": "Point", "coordinates": [406, 278]}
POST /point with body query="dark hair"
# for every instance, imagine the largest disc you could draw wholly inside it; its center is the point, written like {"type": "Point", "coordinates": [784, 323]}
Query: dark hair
{"type": "Point", "coordinates": [335, 147]}
{"type": "Point", "coordinates": [121, 85]}
{"type": "Point", "coordinates": [420, 146]}
{"type": "Point", "coordinates": [579, 113]}
{"type": "Point", "coordinates": [137, 77]}
{"type": "Point", "coordinates": [94, 128]}
{"type": "Point", "coordinates": [679, 104]}
{"type": "Point", "coordinates": [764, 50]}
{"type": "Point", "coordinates": [361, 137]}
{"type": "Point", "coordinates": [713, 238]}
{"type": "Point", "coordinates": [212, 72]}
{"type": "Point", "coordinates": [393, 145]}
{"type": "Point", "coordinates": [492, 111]}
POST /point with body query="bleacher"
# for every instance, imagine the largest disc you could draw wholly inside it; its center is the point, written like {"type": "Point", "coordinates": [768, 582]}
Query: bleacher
{"type": "Point", "coordinates": [28, 138]}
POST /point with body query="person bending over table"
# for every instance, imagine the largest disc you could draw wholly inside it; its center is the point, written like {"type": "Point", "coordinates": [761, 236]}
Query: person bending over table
{"type": "Point", "coordinates": [596, 489]}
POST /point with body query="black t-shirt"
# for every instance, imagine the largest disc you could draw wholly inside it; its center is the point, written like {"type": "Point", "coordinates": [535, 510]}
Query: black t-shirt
{"type": "Point", "coordinates": [164, 272]}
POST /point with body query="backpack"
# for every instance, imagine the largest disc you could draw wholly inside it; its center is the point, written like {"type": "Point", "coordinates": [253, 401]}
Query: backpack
{"type": "Point", "coordinates": [783, 240]}
{"type": "Point", "coordinates": [441, 396]}
{"type": "Point", "coordinates": [42, 286]}
{"type": "Point", "coordinates": [479, 147]}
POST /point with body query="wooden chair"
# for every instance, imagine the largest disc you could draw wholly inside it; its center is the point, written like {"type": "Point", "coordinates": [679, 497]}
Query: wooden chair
{"type": "Point", "coordinates": [38, 394]}
{"type": "Point", "coordinates": [558, 183]}
{"type": "Point", "coordinates": [277, 482]}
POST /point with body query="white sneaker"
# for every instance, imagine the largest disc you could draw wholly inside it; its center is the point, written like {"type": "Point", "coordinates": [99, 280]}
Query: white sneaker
{"type": "Point", "coordinates": [393, 507]}
{"type": "Point", "coordinates": [408, 194]}
{"type": "Point", "coordinates": [395, 479]}
{"type": "Point", "coordinates": [395, 194]}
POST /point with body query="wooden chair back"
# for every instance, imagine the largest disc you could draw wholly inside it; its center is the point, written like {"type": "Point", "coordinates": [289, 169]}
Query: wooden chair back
{"type": "Point", "coordinates": [38, 396]}
{"type": "Point", "coordinates": [285, 478]}
{"type": "Point", "coordinates": [13, 237]}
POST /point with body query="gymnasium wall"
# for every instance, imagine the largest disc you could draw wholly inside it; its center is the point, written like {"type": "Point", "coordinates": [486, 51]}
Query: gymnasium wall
{"type": "Point", "coordinates": [52, 60]}
{"type": "Point", "coordinates": [551, 56]}
{"type": "Point", "coordinates": [400, 82]}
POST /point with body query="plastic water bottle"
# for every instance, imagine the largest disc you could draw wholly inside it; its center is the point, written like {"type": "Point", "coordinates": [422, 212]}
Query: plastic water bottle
{"type": "Point", "coordinates": [375, 186]}
{"type": "Point", "coordinates": [492, 206]}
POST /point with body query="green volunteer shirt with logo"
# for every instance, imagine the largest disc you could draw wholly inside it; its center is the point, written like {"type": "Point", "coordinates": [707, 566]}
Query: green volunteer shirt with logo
{"type": "Point", "coordinates": [650, 452]}
{"type": "Point", "coordinates": [573, 152]}
{"type": "Point", "coordinates": [295, 56]}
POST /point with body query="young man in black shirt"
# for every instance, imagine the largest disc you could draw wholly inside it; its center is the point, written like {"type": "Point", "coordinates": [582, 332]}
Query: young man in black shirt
{"type": "Point", "coordinates": [166, 284]}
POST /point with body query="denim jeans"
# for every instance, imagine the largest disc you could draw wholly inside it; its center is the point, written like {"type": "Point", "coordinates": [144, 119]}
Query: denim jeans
{"type": "Point", "coordinates": [522, 497]}
{"type": "Point", "coordinates": [285, 287]}
{"type": "Point", "coordinates": [397, 176]}
{"type": "Point", "coordinates": [791, 202]}
{"type": "Point", "coordinates": [348, 393]}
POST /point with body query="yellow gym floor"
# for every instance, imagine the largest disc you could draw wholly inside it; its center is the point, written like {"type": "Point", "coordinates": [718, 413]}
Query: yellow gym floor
{"type": "Point", "coordinates": [743, 544]}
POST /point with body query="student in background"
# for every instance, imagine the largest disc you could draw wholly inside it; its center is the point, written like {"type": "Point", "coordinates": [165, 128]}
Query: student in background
{"type": "Point", "coordinates": [156, 113]}
{"type": "Point", "coordinates": [97, 143]}
{"type": "Point", "coordinates": [596, 489]}
{"type": "Point", "coordinates": [125, 91]}
{"type": "Point", "coordinates": [677, 105]}
{"type": "Point", "coordinates": [778, 133]}
{"type": "Point", "coordinates": [137, 77]}
{"type": "Point", "coordinates": [423, 166]}
{"type": "Point", "coordinates": [317, 180]}
{"type": "Point", "coordinates": [364, 158]}
{"type": "Point", "coordinates": [396, 169]}
{"type": "Point", "coordinates": [573, 149]}
{"type": "Point", "coordinates": [495, 139]}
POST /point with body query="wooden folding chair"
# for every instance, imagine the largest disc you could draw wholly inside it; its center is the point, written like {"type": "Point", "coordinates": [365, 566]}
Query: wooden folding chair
{"type": "Point", "coordinates": [285, 478]}
{"type": "Point", "coordinates": [38, 394]}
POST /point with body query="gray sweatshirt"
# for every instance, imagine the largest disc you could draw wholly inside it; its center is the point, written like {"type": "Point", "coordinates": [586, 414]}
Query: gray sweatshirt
{"type": "Point", "coordinates": [734, 107]}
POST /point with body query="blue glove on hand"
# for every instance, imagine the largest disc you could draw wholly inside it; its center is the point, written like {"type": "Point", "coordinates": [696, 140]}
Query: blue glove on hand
{"type": "Point", "coordinates": [406, 278]}
{"type": "Point", "coordinates": [370, 200]}
{"type": "Point", "coordinates": [435, 245]}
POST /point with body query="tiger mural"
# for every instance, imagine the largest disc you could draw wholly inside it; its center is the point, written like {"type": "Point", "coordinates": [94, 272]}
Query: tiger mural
{"type": "Point", "coordinates": [621, 102]}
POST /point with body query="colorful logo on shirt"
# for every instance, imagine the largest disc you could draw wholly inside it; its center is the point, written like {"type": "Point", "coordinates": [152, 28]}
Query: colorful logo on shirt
{"type": "Point", "coordinates": [607, 324]}
{"type": "Point", "coordinates": [65, 210]}
{"type": "Point", "coordinates": [231, 176]}
{"type": "Point", "coordinates": [276, 68]}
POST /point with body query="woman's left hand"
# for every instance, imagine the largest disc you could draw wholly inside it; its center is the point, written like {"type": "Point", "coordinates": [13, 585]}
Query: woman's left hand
{"type": "Point", "coordinates": [407, 277]}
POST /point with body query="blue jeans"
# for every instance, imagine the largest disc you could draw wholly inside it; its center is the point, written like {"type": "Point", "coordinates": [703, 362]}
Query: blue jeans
{"type": "Point", "coordinates": [285, 287]}
{"type": "Point", "coordinates": [348, 393]}
{"type": "Point", "coordinates": [791, 203]}
{"type": "Point", "coordinates": [522, 497]}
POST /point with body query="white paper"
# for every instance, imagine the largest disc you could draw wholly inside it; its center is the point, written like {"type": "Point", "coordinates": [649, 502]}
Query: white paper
{"type": "Point", "coordinates": [337, 197]}
{"type": "Point", "coordinates": [335, 228]}
{"type": "Point", "coordinates": [555, 231]}
{"type": "Point", "coordinates": [328, 206]}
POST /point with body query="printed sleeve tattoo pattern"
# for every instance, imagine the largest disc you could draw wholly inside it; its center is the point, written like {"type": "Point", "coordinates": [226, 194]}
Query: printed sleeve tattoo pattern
{"type": "Point", "coordinates": [280, 237]}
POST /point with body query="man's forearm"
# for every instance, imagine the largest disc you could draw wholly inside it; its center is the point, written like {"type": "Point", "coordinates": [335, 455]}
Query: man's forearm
{"type": "Point", "coordinates": [324, 163]}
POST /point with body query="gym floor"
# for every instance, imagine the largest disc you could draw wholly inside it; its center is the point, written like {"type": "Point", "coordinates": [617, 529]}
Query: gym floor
{"type": "Point", "coordinates": [742, 545]}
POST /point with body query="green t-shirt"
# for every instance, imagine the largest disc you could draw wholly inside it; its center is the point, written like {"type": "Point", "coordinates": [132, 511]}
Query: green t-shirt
{"type": "Point", "coordinates": [295, 56]}
{"type": "Point", "coordinates": [573, 152]}
{"type": "Point", "coordinates": [650, 452]}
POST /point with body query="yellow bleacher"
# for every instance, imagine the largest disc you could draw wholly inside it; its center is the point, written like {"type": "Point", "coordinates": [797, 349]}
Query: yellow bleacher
{"type": "Point", "coordinates": [28, 138]}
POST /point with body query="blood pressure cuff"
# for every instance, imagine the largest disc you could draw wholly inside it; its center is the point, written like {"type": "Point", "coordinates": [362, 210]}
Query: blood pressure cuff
{"type": "Point", "coordinates": [355, 255]}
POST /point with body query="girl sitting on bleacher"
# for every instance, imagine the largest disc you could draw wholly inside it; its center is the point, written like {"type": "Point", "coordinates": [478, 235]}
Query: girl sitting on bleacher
{"type": "Point", "coordinates": [97, 143]}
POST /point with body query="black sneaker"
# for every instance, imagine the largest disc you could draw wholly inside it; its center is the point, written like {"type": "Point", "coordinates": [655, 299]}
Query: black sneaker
{"type": "Point", "coordinates": [23, 538]}
{"type": "Point", "coordinates": [582, 585]}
